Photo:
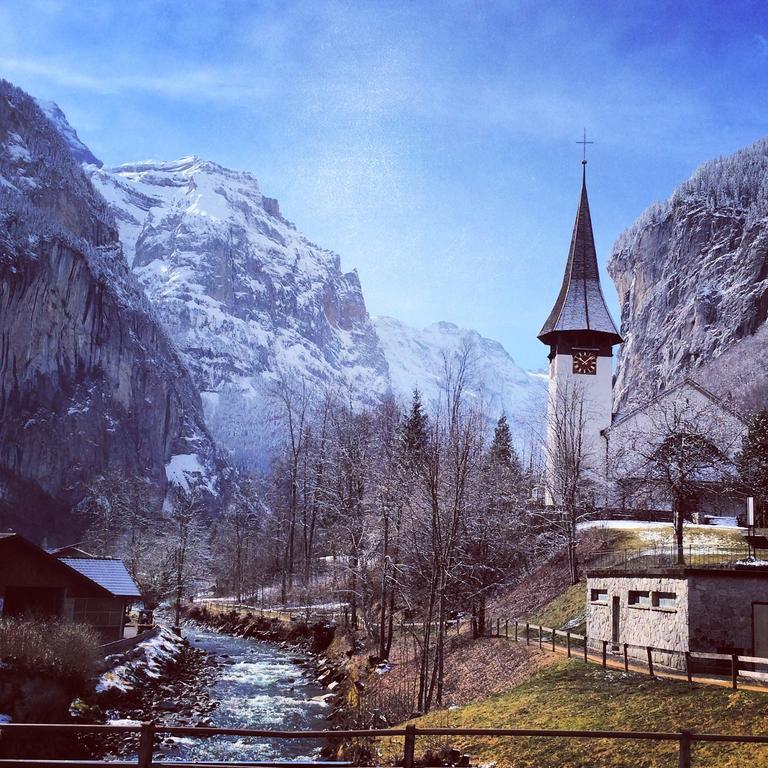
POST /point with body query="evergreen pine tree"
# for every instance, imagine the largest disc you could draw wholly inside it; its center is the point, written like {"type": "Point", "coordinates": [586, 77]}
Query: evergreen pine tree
{"type": "Point", "coordinates": [502, 451]}
{"type": "Point", "coordinates": [414, 431]}
{"type": "Point", "coordinates": [752, 462]}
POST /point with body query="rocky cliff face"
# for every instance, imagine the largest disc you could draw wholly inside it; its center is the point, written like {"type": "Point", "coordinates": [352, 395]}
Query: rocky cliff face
{"type": "Point", "coordinates": [244, 296]}
{"type": "Point", "coordinates": [248, 299]}
{"type": "Point", "coordinates": [692, 278]}
{"type": "Point", "coordinates": [89, 380]}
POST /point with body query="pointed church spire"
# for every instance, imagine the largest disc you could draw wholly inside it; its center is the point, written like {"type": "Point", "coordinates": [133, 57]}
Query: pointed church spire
{"type": "Point", "coordinates": [580, 306]}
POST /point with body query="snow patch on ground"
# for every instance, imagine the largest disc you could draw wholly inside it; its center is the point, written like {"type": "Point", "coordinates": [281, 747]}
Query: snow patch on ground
{"type": "Point", "coordinates": [147, 659]}
{"type": "Point", "coordinates": [621, 524]}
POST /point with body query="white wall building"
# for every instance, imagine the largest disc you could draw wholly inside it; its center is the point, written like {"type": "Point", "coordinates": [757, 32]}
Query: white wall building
{"type": "Point", "coordinates": [615, 453]}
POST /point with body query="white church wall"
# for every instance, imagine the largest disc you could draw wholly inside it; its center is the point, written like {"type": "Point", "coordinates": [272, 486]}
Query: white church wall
{"type": "Point", "coordinates": [568, 391]}
{"type": "Point", "coordinates": [632, 440]}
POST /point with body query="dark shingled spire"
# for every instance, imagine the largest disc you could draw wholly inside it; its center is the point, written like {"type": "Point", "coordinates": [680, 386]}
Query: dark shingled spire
{"type": "Point", "coordinates": [580, 306]}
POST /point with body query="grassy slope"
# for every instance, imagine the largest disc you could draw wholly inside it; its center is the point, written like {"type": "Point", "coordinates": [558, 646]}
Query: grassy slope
{"type": "Point", "coordinates": [569, 607]}
{"type": "Point", "coordinates": [572, 695]}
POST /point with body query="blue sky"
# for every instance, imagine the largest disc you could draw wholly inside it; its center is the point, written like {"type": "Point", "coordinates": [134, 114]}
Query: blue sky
{"type": "Point", "coordinates": [432, 145]}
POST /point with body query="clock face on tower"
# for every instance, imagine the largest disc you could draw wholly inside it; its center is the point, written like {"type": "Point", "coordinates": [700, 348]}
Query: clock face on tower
{"type": "Point", "coordinates": [585, 362]}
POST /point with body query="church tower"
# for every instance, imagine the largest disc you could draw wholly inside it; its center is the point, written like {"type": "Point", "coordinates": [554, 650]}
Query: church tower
{"type": "Point", "coordinates": [580, 334]}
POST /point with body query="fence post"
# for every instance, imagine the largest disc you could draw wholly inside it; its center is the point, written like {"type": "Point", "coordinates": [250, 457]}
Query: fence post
{"type": "Point", "coordinates": [734, 671]}
{"type": "Point", "coordinates": [649, 650]}
{"type": "Point", "coordinates": [688, 666]}
{"type": "Point", "coordinates": [540, 639]}
{"type": "Point", "coordinates": [605, 653]}
{"type": "Point", "coordinates": [626, 658]}
{"type": "Point", "coordinates": [585, 649]}
{"type": "Point", "coordinates": [568, 642]}
{"type": "Point", "coordinates": [506, 628]}
{"type": "Point", "coordinates": [498, 627]}
{"type": "Point", "coordinates": [410, 746]}
{"type": "Point", "coordinates": [515, 630]}
{"type": "Point", "coordinates": [146, 744]}
{"type": "Point", "coordinates": [685, 750]}
{"type": "Point", "coordinates": [527, 633]}
{"type": "Point", "coordinates": [552, 630]}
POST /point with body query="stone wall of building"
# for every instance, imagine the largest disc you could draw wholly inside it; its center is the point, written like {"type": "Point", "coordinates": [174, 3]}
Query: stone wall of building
{"type": "Point", "coordinates": [720, 610]}
{"type": "Point", "coordinates": [640, 625]}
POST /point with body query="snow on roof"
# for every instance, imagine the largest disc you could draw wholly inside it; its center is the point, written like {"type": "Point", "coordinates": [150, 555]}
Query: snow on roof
{"type": "Point", "coordinates": [110, 574]}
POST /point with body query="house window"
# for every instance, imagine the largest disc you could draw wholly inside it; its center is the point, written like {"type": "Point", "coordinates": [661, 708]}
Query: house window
{"type": "Point", "coordinates": [665, 599]}
{"type": "Point", "coordinates": [599, 596]}
{"type": "Point", "coordinates": [639, 598]}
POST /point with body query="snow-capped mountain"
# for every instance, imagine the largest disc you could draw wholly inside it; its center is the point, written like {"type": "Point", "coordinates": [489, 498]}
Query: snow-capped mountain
{"type": "Point", "coordinates": [89, 380]}
{"type": "Point", "coordinates": [79, 151]}
{"type": "Point", "coordinates": [246, 297]}
{"type": "Point", "coordinates": [417, 359]}
{"type": "Point", "coordinates": [243, 294]}
{"type": "Point", "coordinates": [692, 278]}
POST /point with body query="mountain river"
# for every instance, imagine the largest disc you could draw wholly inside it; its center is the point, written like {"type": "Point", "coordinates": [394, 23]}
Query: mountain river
{"type": "Point", "coordinates": [259, 686]}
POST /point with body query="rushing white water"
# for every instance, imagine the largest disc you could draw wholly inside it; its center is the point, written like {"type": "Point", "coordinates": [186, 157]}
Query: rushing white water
{"type": "Point", "coordinates": [259, 687]}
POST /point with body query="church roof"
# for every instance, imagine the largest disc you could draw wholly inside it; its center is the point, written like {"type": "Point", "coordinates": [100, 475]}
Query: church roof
{"type": "Point", "coordinates": [686, 381]}
{"type": "Point", "coordinates": [580, 305]}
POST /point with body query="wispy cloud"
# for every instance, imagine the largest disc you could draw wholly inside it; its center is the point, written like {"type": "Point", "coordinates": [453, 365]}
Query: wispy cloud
{"type": "Point", "coordinates": [224, 86]}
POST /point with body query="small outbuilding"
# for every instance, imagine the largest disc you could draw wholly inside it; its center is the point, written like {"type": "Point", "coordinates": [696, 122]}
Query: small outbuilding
{"type": "Point", "coordinates": [91, 590]}
{"type": "Point", "coordinates": [717, 609]}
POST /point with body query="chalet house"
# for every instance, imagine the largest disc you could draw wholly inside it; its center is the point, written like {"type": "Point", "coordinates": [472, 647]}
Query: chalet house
{"type": "Point", "coordinates": [81, 588]}
{"type": "Point", "coordinates": [722, 609]}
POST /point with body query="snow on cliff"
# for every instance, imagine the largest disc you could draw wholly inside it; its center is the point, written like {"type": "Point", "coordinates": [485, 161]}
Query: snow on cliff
{"type": "Point", "coordinates": [244, 295]}
{"type": "Point", "coordinates": [692, 279]}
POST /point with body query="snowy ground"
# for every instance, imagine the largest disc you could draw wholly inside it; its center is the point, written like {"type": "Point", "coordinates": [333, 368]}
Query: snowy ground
{"type": "Point", "coordinates": [642, 524]}
{"type": "Point", "coordinates": [147, 659]}
{"type": "Point", "coordinates": [697, 538]}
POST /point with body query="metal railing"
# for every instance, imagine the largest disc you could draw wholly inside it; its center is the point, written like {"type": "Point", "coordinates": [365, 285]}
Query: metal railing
{"type": "Point", "coordinates": [663, 556]}
{"type": "Point", "coordinates": [685, 741]}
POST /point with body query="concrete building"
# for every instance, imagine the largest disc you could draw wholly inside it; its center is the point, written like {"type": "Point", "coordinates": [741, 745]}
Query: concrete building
{"type": "Point", "coordinates": [705, 610]}
{"type": "Point", "coordinates": [88, 589]}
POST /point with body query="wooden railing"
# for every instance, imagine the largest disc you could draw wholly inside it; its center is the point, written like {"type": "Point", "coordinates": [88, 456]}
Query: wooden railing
{"type": "Point", "coordinates": [147, 731]}
{"type": "Point", "coordinates": [599, 651]}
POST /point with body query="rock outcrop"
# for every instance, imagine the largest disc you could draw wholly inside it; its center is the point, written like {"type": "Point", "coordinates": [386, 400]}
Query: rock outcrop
{"type": "Point", "coordinates": [89, 380]}
{"type": "Point", "coordinates": [692, 278]}
{"type": "Point", "coordinates": [245, 297]}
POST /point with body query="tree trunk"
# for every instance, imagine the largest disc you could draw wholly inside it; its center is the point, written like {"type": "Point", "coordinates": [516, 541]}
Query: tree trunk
{"type": "Point", "coordinates": [679, 517]}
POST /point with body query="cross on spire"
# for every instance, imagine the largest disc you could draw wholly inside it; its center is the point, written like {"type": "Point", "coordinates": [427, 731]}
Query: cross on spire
{"type": "Point", "coordinates": [584, 143]}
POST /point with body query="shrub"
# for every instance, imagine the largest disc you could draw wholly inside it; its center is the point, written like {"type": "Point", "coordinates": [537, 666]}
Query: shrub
{"type": "Point", "coordinates": [53, 647]}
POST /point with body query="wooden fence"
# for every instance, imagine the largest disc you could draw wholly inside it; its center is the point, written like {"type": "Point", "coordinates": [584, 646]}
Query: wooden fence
{"type": "Point", "coordinates": [690, 663]}
{"type": "Point", "coordinates": [147, 732]}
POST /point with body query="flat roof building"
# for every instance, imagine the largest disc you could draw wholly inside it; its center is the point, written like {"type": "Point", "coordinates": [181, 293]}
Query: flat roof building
{"type": "Point", "coordinates": [714, 609]}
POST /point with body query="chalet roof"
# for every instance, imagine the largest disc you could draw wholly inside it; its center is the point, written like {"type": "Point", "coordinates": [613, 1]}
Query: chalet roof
{"type": "Point", "coordinates": [580, 305]}
{"type": "Point", "coordinates": [70, 550]}
{"type": "Point", "coordinates": [16, 540]}
{"type": "Point", "coordinates": [108, 573]}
